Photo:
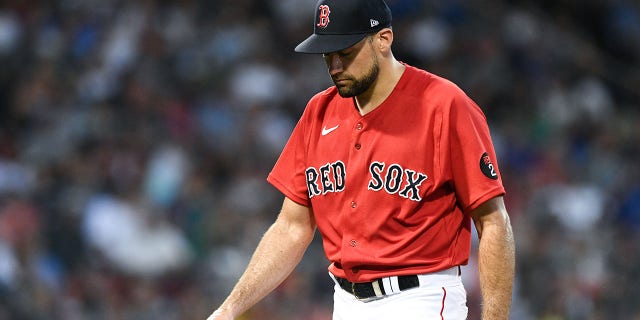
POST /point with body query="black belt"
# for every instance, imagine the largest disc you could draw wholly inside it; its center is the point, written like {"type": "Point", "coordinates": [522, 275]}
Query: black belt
{"type": "Point", "coordinates": [366, 290]}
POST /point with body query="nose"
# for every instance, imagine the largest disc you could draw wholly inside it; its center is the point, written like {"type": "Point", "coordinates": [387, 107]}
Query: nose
{"type": "Point", "coordinates": [333, 63]}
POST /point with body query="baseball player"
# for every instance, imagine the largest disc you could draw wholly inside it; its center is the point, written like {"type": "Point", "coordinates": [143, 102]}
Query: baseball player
{"type": "Point", "coordinates": [391, 165]}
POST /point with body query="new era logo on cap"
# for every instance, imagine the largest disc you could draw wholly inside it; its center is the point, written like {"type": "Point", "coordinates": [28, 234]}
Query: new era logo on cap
{"type": "Point", "coordinates": [340, 24]}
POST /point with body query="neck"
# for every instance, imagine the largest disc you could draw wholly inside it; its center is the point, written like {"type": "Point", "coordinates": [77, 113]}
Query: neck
{"type": "Point", "coordinates": [389, 76]}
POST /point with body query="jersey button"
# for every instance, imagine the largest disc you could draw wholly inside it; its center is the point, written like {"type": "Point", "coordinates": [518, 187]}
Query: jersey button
{"type": "Point", "coordinates": [353, 243]}
{"type": "Point", "coordinates": [359, 126]}
{"type": "Point", "coordinates": [353, 204]}
{"type": "Point", "coordinates": [358, 146]}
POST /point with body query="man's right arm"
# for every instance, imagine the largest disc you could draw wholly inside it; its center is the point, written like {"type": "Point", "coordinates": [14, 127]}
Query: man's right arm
{"type": "Point", "coordinates": [278, 253]}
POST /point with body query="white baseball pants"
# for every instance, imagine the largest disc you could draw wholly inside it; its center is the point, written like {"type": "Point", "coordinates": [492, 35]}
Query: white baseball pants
{"type": "Point", "coordinates": [440, 296]}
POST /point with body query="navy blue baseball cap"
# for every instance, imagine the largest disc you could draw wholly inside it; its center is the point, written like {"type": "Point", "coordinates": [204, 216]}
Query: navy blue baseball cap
{"type": "Point", "coordinates": [339, 24]}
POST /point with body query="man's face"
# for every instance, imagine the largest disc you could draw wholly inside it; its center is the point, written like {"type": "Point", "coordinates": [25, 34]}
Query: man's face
{"type": "Point", "coordinates": [354, 69]}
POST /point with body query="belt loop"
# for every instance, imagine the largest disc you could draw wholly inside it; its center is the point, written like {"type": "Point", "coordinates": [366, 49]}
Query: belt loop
{"type": "Point", "coordinates": [386, 284]}
{"type": "Point", "coordinates": [395, 286]}
{"type": "Point", "coordinates": [376, 288]}
{"type": "Point", "coordinates": [353, 290]}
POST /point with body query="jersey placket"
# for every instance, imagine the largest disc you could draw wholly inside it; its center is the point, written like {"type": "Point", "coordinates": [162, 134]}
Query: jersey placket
{"type": "Point", "coordinates": [352, 238]}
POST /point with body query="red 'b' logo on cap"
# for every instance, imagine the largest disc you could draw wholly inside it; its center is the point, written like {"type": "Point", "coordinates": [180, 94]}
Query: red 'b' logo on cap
{"type": "Point", "coordinates": [323, 19]}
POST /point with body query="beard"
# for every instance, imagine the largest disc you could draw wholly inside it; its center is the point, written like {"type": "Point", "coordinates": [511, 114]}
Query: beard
{"type": "Point", "coordinates": [355, 86]}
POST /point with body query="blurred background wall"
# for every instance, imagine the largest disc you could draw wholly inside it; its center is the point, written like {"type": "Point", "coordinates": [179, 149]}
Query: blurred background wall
{"type": "Point", "coordinates": [135, 138]}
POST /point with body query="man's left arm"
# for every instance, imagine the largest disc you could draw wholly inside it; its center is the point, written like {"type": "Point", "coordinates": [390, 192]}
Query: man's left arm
{"type": "Point", "coordinates": [496, 258]}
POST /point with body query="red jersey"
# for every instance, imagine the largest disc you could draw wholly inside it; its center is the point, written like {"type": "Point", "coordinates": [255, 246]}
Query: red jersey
{"type": "Point", "coordinates": [391, 191]}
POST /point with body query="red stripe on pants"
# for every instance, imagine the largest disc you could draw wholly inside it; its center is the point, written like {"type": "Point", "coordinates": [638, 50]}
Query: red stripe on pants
{"type": "Point", "coordinates": [444, 296]}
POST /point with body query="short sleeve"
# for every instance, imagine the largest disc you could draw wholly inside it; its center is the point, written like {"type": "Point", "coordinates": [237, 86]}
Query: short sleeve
{"type": "Point", "coordinates": [473, 161]}
{"type": "Point", "coordinates": [288, 174]}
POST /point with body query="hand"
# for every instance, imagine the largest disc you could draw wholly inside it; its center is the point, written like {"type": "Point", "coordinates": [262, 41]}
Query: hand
{"type": "Point", "coordinates": [220, 314]}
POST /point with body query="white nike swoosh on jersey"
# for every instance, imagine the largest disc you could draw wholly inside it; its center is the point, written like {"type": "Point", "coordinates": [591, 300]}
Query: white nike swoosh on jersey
{"type": "Point", "coordinates": [326, 131]}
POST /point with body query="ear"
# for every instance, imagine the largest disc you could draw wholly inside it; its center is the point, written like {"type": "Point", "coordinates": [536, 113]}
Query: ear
{"type": "Point", "coordinates": [383, 40]}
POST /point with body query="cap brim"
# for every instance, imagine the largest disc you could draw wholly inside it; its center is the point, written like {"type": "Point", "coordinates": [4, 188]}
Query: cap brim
{"type": "Point", "coordinates": [326, 43]}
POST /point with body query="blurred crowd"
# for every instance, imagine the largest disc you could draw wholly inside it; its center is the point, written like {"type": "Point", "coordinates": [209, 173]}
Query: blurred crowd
{"type": "Point", "coordinates": [136, 136]}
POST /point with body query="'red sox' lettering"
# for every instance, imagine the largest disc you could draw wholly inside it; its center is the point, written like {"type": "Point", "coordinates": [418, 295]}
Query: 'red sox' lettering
{"type": "Point", "coordinates": [328, 178]}
{"type": "Point", "coordinates": [393, 179]}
